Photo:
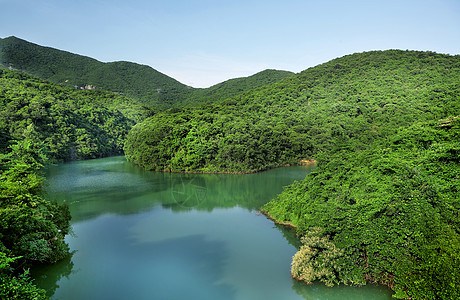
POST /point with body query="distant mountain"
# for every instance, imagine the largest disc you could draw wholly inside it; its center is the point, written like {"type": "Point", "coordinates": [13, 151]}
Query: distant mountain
{"type": "Point", "coordinates": [236, 86]}
{"type": "Point", "coordinates": [139, 82]}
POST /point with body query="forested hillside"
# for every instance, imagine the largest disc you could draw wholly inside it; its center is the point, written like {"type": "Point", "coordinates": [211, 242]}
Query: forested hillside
{"type": "Point", "coordinates": [32, 229]}
{"type": "Point", "coordinates": [387, 214]}
{"type": "Point", "coordinates": [234, 87]}
{"type": "Point", "coordinates": [352, 100]}
{"type": "Point", "coordinates": [68, 123]}
{"type": "Point", "coordinates": [139, 82]}
{"type": "Point", "coordinates": [383, 205]}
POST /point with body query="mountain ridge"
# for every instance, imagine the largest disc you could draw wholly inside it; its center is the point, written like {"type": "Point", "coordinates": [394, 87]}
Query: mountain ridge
{"type": "Point", "coordinates": [73, 70]}
{"type": "Point", "coordinates": [137, 81]}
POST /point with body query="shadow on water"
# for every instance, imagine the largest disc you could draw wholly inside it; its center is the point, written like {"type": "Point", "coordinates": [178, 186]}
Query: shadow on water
{"type": "Point", "coordinates": [290, 235]}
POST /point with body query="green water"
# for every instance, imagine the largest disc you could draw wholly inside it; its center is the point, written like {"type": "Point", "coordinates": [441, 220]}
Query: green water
{"type": "Point", "coordinates": [149, 235]}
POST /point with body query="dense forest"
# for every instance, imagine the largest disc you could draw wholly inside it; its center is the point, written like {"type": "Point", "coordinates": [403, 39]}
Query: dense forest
{"type": "Point", "coordinates": [71, 124]}
{"type": "Point", "coordinates": [352, 100]}
{"type": "Point", "coordinates": [232, 87]}
{"type": "Point", "coordinates": [139, 82]}
{"type": "Point", "coordinates": [383, 205]}
{"type": "Point", "coordinates": [32, 229]}
{"type": "Point", "coordinates": [386, 214]}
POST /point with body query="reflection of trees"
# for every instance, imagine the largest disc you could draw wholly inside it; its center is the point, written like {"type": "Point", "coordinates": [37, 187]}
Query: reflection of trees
{"type": "Point", "coordinates": [48, 276]}
{"type": "Point", "coordinates": [209, 191]}
{"type": "Point", "coordinates": [290, 235]}
{"type": "Point", "coordinates": [95, 187]}
{"type": "Point", "coordinates": [98, 186]}
{"type": "Point", "coordinates": [189, 191]}
{"type": "Point", "coordinates": [318, 291]}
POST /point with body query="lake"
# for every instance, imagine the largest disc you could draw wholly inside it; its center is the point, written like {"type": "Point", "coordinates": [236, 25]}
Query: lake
{"type": "Point", "coordinates": [152, 235]}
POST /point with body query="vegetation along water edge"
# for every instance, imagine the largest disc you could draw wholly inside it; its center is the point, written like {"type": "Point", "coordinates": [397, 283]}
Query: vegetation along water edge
{"type": "Point", "coordinates": [383, 126]}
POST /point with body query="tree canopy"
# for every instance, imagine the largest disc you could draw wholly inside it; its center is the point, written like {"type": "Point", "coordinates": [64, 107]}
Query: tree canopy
{"type": "Point", "coordinates": [348, 101]}
{"type": "Point", "coordinates": [72, 124]}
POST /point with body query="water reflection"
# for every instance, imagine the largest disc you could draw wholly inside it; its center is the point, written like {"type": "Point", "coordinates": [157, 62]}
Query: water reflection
{"type": "Point", "coordinates": [112, 185]}
{"type": "Point", "coordinates": [151, 235]}
{"type": "Point", "coordinates": [318, 291]}
{"type": "Point", "coordinates": [48, 276]}
{"type": "Point", "coordinates": [290, 235]}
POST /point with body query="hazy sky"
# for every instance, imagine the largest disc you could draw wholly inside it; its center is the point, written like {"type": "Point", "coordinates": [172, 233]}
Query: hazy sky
{"type": "Point", "coordinates": [204, 42]}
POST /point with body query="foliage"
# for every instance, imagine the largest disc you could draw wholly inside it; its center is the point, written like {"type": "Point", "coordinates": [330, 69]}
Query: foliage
{"type": "Point", "coordinates": [316, 259]}
{"type": "Point", "coordinates": [393, 208]}
{"type": "Point", "coordinates": [19, 286]}
{"type": "Point", "coordinates": [72, 124]}
{"type": "Point", "coordinates": [232, 87]}
{"type": "Point", "coordinates": [211, 143]}
{"type": "Point", "coordinates": [32, 229]}
{"type": "Point", "coordinates": [344, 103]}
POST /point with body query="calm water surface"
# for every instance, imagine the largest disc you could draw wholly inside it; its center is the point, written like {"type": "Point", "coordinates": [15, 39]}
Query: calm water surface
{"type": "Point", "coordinates": [149, 235]}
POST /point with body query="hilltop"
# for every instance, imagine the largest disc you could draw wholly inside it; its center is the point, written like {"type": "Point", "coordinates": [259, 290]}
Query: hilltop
{"type": "Point", "coordinates": [361, 98]}
{"type": "Point", "coordinates": [139, 82]}
{"type": "Point", "coordinates": [235, 86]}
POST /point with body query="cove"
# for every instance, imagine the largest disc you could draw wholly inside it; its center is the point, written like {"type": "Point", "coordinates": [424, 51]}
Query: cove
{"type": "Point", "coordinates": [151, 235]}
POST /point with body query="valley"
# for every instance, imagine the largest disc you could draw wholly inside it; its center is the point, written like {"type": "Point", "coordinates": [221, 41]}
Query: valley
{"type": "Point", "coordinates": [382, 205]}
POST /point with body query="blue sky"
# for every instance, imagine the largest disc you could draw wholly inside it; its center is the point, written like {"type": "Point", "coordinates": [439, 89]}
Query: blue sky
{"type": "Point", "coordinates": [204, 42]}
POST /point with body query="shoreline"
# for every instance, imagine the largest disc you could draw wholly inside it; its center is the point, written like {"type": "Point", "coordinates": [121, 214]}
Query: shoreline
{"type": "Point", "coordinates": [302, 162]}
{"type": "Point", "coordinates": [288, 224]}
{"type": "Point", "coordinates": [369, 278]}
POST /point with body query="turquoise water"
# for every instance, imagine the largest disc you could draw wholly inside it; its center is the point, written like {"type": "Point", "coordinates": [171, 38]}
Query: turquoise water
{"type": "Point", "coordinates": [149, 235]}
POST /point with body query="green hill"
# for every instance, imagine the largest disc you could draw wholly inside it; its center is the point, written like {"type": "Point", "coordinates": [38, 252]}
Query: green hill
{"type": "Point", "coordinates": [135, 81]}
{"type": "Point", "coordinates": [362, 97]}
{"type": "Point", "coordinates": [139, 82]}
{"type": "Point", "coordinates": [235, 86]}
{"type": "Point", "coordinates": [67, 123]}
{"type": "Point", "coordinates": [383, 204]}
